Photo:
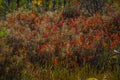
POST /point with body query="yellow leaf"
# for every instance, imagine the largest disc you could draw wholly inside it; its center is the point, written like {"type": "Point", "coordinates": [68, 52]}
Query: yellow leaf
{"type": "Point", "coordinates": [37, 2]}
{"type": "Point", "coordinates": [1, 6]}
{"type": "Point", "coordinates": [92, 79]}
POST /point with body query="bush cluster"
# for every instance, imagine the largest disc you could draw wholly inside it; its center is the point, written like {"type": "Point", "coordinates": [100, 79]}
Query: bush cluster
{"type": "Point", "coordinates": [51, 41]}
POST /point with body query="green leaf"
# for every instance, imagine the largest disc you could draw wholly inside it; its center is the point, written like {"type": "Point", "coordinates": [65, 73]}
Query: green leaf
{"type": "Point", "coordinates": [110, 1]}
{"type": "Point", "coordinates": [3, 32]}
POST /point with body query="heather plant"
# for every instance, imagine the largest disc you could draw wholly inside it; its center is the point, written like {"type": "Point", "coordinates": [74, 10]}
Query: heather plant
{"type": "Point", "coordinates": [46, 31]}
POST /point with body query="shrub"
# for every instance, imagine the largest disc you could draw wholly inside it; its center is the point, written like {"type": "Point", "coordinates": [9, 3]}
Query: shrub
{"type": "Point", "coordinates": [51, 42]}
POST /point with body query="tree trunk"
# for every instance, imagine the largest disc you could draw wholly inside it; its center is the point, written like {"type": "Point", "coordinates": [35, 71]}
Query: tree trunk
{"type": "Point", "coordinates": [18, 3]}
{"type": "Point", "coordinates": [8, 1]}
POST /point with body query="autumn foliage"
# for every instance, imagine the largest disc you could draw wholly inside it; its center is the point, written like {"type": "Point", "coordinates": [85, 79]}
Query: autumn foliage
{"type": "Point", "coordinates": [52, 40]}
